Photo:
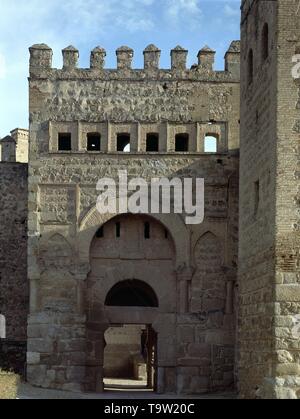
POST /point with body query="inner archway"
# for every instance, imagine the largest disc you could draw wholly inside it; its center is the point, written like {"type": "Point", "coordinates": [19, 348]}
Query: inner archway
{"type": "Point", "coordinates": [130, 288]}
{"type": "Point", "coordinates": [131, 293]}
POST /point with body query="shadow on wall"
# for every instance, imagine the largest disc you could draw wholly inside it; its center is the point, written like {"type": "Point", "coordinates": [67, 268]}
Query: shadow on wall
{"type": "Point", "coordinates": [12, 353]}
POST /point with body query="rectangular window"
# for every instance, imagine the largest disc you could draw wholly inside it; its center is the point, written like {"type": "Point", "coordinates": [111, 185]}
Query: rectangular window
{"type": "Point", "coordinates": [118, 230]}
{"type": "Point", "coordinates": [123, 143]}
{"type": "Point", "coordinates": [147, 231]}
{"type": "Point", "coordinates": [100, 233]}
{"type": "Point", "coordinates": [182, 143]}
{"type": "Point", "coordinates": [93, 142]}
{"type": "Point", "coordinates": [152, 143]}
{"type": "Point", "coordinates": [64, 142]}
{"type": "Point", "coordinates": [210, 144]}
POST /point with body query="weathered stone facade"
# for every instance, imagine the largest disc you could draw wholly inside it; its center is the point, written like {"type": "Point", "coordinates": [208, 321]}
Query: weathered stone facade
{"type": "Point", "coordinates": [14, 292]}
{"type": "Point", "coordinates": [192, 270]}
{"type": "Point", "coordinates": [221, 297]}
{"type": "Point", "coordinates": [269, 265]}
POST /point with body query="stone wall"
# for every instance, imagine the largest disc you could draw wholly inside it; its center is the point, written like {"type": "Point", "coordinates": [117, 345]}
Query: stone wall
{"type": "Point", "coordinates": [14, 293]}
{"type": "Point", "coordinates": [287, 250]}
{"type": "Point", "coordinates": [13, 356]}
{"type": "Point", "coordinates": [269, 236]}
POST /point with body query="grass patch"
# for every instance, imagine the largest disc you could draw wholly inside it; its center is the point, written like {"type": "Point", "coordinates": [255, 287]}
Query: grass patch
{"type": "Point", "coordinates": [9, 383]}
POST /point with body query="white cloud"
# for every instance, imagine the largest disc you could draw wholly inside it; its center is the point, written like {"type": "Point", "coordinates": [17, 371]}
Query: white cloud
{"type": "Point", "coordinates": [183, 10]}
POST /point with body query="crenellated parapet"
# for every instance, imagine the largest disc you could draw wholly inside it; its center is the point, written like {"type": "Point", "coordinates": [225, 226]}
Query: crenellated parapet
{"type": "Point", "coordinates": [179, 58]}
{"type": "Point", "coordinates": [41, 64]}
{"type": "Point", "coordinates": [70, 58]}
{"type": "Point", "coordinates": [124, 58]}
{"type": "Point", "coordinates": [151, 57]}
{"type": "Point", "coordinates": [40, 57]}
{"type": "Point", "coordinates": [232, 58]}
{"type": "Point", "coordinates": [98, 58]}
{"type": "Point", "coordinates": [206, 58]}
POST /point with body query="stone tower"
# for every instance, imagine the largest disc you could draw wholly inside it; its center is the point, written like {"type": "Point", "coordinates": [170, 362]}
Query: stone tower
{"type": "Point", "coordinates": [269, 260]}
{"type": "Point", "coordinates": [21, 137]}
{"type": "Point", "coordinates": [14, 147]}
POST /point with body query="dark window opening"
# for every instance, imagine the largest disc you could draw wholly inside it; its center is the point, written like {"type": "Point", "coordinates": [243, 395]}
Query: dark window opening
{"type": "Point", "coordinates": [250, 67]}
{"type": "Point", "coordinates": [93, 142]}
{"type": "Point", "coordinates": [152, 143]}
{"type": "Point", "coordinates": [166, 234]}
{"type": "Point", "coordinates": [256, 197]}
{"type": "Point", "coordinates": [147, 230]}
{"type": "Point", "coordinates": [64, 142]}
{"type": "Point", "coordinates": [131, 293]}
{"type": "Point", "coordinates": [182, 143]}
{"type": "Point", "coordinates": [123, 143]}
{"type": "Point", "coordinates": [100, 233]}
{"type": "Point", "coordinates": [118, 230]}
{"type": "Point", "coordinates": [265, 42]}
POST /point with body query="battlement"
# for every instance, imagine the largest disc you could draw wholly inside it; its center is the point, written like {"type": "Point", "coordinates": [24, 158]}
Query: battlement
{"type": "Point", "coordinates": [41, 64]}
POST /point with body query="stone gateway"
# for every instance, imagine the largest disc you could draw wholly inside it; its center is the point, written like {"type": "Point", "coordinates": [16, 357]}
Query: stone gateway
{"type": "Point", "coordinates": [189, 309]}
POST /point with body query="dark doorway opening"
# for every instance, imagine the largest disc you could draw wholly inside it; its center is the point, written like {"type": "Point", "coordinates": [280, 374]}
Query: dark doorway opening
{"type": "Point", "coordinates": [130, 358]}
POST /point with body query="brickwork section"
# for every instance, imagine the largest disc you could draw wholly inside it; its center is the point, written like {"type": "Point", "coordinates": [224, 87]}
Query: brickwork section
{"type": "Point", "coordinates": [269, 210]}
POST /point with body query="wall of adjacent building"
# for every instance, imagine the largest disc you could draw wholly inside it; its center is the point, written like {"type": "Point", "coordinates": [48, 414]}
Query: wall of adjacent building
{"type": "Point", "coordinates": [14, 295]}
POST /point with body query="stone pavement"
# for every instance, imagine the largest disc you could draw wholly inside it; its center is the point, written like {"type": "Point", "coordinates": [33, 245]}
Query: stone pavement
{"type": "Point", "coordinates": [27, 391]}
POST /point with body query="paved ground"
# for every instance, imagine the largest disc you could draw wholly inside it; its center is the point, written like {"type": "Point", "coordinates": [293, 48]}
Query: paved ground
{"type": "Point", "coordinates": [26, 391]}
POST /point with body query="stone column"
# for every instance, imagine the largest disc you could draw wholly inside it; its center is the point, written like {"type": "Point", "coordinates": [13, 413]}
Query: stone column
{"type": "Point", "coordinates": [81, 277]}
{"type": "Point", "coordinates": [184, 278]}
{"type": "Point", "coordinates": [231, 276]}
{"type": "Point", "coordinates": [160, 380]}
{"type": "Point", "coordinates": [95, 358]}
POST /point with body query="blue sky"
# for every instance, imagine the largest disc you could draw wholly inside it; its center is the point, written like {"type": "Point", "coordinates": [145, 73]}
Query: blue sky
{"type": "Point", "coordinates": [110, 24]}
